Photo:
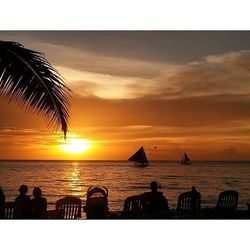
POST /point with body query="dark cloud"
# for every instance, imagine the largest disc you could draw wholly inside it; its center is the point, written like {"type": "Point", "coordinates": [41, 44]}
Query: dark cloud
{"type": "Point", "coordinates": [185, 112]}
{"type": "Point", "coordinates": [220, 75]}
{"type": "Point", "coordinates": [227, 74]}
{"type": "Point", "coordinates": [160, 46]}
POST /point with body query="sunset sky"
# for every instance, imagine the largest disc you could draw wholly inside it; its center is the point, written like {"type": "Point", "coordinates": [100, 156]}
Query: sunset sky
{"type": "Point", "coordinates": [172, 92]}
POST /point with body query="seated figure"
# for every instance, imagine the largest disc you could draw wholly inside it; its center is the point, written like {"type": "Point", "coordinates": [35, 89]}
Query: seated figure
{"type": "Point", "coordinates": [38, 204]}
{"type": "Point", "coordinates": [22, 208]}
{"type": "Point", "coordinates": [154, 202]}
{"type": "Point", "coordinates": [196, 198]}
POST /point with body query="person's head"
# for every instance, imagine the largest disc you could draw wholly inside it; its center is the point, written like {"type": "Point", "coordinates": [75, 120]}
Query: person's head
{"type": "Point", "coordinates": [193, 188]}
{"type": "Point", "coordinates": [1, 191]}
{"type": "Point", "coordinates": [154, 186]}
{"type": "Point", "coordinates": [37, 192]}
{"type": "Point", "coordinates": [23, 189]}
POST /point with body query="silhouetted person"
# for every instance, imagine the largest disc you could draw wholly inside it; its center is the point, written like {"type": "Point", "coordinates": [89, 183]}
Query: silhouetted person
{"type": "Point", "coordinates": [155, 203]}
{"type": "Point", "coordinates": [22, 204]}
{"type": "Point", "coordinates": [197, 198]}
{"type": "Point", "coordinates": [194, 191]}
{"type": "Point", "coordinates": [38, 204]}
{"type": "Point", "coordinates": [2, 201]}
{"type": "Point", "coordinates": [196, 202]}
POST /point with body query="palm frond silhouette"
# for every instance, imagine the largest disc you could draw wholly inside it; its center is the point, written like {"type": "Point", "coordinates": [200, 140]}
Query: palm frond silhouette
{"type": "Point", "coordinates": [27, 78]}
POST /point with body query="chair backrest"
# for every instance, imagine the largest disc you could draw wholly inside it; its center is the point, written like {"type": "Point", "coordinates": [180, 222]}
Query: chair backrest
{"type": "Point", "coordinates": [133, 207]}
{"type": "Point", "coordinates": [97, 203]}
{"type": "Point", "coordinates": [98, 191]}
{"type": "Point", "coordinates": [228, 200]}
{"type": "Point", "coordinates": [69, 208]}
{"type": "Point", "coordinates": [9, 210]}
{"type": "Point", "coordinates": [188, 204]}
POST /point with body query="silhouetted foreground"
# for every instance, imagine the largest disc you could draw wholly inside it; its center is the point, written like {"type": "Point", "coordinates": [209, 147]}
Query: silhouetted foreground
{"type": "Point", "coordinates": [97, 203]}
{"type": "Point", "coordinates": [24, 207]}
{"type": "Point", "coordinates": [149, 205]}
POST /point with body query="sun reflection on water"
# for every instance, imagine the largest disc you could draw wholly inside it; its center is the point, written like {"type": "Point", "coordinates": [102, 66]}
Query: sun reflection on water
{"type": "Point", "coordinates": [75, 184]}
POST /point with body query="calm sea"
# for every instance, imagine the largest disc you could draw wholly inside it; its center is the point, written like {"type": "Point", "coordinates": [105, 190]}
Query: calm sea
{"type": "Point", "coordinates": [61, 178]}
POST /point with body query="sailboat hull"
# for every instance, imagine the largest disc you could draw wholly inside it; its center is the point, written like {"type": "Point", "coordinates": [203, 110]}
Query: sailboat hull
{"type": "Point", "coordinates": [186, 163]}
{"type": "Point", "coordinates": [141, 165]}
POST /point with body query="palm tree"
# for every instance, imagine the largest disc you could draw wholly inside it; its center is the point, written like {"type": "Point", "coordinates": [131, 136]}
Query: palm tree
{"type": "Point", "coordinates": [27, 78]}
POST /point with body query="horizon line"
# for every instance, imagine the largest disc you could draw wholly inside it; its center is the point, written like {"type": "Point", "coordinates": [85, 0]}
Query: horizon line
{"type": "Point", "coordinates": [123, 160]}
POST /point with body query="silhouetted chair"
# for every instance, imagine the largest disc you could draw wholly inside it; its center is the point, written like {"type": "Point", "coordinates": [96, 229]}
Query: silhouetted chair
{"type": "Point", "coordinates": [188, 205]}
{"type": "Point", "coordinates": [9, 210]}
{"type": "Point", "coordinates": [132, 207]}
{"type": "Point", "coordinates": [96, 203]}
{"type": "Point", "coordinates": [227, 204]}
{"type": "Point", "coordinates": [69, 208]}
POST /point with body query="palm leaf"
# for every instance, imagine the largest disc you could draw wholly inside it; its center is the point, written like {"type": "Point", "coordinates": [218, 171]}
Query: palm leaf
{"type": "Point", "coordinates": [27, 78]}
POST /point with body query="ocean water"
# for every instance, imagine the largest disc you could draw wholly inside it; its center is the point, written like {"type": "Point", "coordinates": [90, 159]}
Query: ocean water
{"type": "Point", "coordinates": [58, 179]}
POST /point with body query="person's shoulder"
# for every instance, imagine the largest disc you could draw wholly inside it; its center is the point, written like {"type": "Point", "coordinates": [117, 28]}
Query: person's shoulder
{"type": "Point", "coordinates": [17, 198]}
{"type": "Point", "coordinates": [159, 193]}
{"type": "Point", "coordinates": [43, 199]}
{"type": "Point", "coordinates": [145, 195]}
{"type": "Point", "coordinates": [196, 193]}
{"type": "Point", "coordinates": [27, 198]}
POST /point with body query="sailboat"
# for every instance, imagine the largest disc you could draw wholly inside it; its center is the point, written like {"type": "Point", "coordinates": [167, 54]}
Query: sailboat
{"type": "Point", "coordinates": [185, 159]}
{"type": "Point", "coordinates": [139, 158]}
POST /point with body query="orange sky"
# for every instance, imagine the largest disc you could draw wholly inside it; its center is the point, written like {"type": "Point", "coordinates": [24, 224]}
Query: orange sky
{"type": "Point", "coordinates": [199, 103]}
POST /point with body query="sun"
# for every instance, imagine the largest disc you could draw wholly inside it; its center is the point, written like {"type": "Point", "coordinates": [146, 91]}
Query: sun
{"type": "Point", "coordinates": [75, 146]}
